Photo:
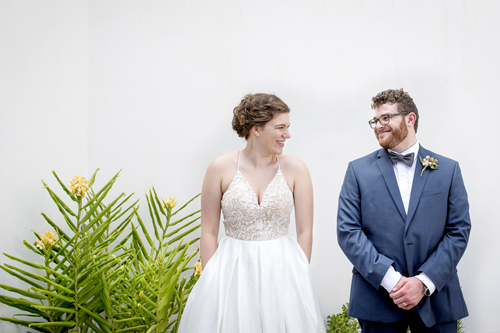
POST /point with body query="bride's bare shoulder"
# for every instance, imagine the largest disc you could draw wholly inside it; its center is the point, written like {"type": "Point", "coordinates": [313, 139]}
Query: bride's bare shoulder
{"type": "Point", "coordinates": [292, 163]}
{"type": "Point", "coordinates": [224, 163]}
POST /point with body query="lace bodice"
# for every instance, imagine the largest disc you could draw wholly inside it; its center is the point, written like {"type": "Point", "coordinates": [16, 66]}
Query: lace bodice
{"type": "Point", "coordinates": [245, 219]}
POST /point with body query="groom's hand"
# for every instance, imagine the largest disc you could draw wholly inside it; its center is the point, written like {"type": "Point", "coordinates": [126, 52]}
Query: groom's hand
{"type": "Point", "coordinates": [407, 293]}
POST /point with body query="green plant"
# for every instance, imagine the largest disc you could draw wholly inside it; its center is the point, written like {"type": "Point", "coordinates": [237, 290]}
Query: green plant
{"type": "Point", "coordinates": [99, 276]}
{"type": "Point", "coordinates": [461, 327]}
{"type": "Point", "coordinates": [342, 323]}
{"type": "Point", "coordinates": [157, 273]}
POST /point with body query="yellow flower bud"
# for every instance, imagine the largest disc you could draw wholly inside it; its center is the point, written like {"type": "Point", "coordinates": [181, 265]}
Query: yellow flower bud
{"type": "Point", "coordinates": [78, 185]}
{"type": "Point", "coordinates": [48, 239]}
{"type": "Point", "coordinates": [198, 268]}
{"type": "Point", "coordinates": [170, 203]}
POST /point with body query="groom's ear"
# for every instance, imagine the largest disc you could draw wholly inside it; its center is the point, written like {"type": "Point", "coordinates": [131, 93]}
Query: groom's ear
{"type": "Point", "coordinates": [411, 119]}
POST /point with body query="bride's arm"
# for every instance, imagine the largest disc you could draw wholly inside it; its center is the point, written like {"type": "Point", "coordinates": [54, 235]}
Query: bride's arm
{"type": "Point", "coordinates": [304, 207]}
{"type": "Point", "coordinates": [211, 195]}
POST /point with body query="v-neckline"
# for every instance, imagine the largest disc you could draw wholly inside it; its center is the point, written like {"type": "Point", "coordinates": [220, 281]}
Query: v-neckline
{"type": "Point", "coordinates": [253, 191]}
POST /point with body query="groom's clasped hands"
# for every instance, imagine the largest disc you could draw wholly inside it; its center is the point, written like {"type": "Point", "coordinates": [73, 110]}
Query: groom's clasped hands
{"type": "Point", "coordinates": [407, 293]}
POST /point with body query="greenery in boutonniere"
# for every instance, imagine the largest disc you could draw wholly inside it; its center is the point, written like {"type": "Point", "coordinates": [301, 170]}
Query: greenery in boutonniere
{"type": "Point", "coordinates": [428, 161]}
{"type": "Point", "coordinates": [96, 274]}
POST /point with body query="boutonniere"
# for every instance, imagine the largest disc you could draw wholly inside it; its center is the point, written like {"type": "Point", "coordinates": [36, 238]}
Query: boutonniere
{"type": "Point", "coordinates": [430, 162]}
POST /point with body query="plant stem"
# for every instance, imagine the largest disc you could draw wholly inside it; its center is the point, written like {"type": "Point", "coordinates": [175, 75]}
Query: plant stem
{"type": "Point", "coordinates": [160, 246]}
{"type": "Point", "coordinates": [47, 260]}
{"type": "Point", "coordinates": [169, 214]}
{"type": "Point", "coordinates": [76, 261]}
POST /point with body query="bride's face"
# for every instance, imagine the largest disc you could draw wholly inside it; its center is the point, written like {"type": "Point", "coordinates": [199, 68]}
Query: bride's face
{"type": "Point", "coordinates": [272, 136]}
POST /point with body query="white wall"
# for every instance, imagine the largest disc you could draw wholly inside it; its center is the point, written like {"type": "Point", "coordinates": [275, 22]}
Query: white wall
{"type": "Point", "coordinates": [43, 116]}
{"type": "Point", "coordinates": [149, 87]}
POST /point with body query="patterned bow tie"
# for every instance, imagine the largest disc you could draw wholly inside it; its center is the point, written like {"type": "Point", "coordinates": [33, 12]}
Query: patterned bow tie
{"type": "Point", "coordinates": [406, 159]}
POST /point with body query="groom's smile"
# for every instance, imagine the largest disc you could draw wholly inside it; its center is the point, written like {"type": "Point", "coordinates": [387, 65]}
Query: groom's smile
{"type": "Point", "coordinates": [391, 134]}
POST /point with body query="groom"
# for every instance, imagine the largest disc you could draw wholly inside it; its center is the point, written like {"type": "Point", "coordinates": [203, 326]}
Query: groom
{"type": "Point", "coordinates": [403, 222]}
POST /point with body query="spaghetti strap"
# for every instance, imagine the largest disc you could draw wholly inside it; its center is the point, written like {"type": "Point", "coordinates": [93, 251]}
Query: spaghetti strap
{"type": "Point", "coordinates": [279, 167]}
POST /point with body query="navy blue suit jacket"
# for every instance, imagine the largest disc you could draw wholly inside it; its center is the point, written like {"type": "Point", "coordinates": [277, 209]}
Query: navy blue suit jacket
{"type": "Point", "coordinates": [374, 232]}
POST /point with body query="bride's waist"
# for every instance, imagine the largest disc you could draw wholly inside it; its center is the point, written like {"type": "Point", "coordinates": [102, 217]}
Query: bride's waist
{"type": "Point", "coordinates": [256, 231]}
{"type": "Point", "coordinates": [255, 238]}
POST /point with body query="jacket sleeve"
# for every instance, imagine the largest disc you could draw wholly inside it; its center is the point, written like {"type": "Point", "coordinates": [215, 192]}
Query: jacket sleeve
{"type": "Point", "coordinates": [352, 240]}
{"type": "Point", "coordinates": [442, 263]}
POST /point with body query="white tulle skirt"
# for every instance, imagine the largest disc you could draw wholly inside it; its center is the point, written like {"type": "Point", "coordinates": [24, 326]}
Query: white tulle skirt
{"type": "Point", "coordinates": [254, 287]}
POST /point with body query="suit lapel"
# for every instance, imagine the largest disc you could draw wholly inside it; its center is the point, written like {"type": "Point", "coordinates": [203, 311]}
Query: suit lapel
{"type": "Point", "coordinates": [387, 170]}
{"type": "Point", "coordinates": [418, 186]}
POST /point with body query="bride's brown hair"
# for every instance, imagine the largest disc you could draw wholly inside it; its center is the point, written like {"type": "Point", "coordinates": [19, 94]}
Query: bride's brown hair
{"type": "Point", "coordinates": [256, 110]}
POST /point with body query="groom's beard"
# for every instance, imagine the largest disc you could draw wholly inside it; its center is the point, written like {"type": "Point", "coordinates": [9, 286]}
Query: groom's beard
{"type": "Point", "coordinates": [395, 137]}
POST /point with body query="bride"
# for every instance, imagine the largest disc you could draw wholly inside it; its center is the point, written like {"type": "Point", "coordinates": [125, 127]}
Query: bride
{"type": "Point", "coordinates": [256, 278]}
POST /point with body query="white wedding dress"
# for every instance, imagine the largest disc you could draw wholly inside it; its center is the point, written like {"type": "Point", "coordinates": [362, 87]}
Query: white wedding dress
{"type": "Point", "coordinates": [259, 279]}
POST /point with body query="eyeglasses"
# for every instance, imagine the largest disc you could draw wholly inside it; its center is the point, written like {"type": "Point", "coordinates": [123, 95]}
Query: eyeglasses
{"type": "Point", "coordinates": [384, 119]}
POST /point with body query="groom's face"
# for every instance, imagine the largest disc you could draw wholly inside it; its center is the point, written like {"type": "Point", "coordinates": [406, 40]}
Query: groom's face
{"type": "Point", "coordinates": [393, 133]}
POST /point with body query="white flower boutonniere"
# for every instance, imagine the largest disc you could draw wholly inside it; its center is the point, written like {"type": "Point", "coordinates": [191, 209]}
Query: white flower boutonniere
{"type": "Point", "coordinates": [430, 162]}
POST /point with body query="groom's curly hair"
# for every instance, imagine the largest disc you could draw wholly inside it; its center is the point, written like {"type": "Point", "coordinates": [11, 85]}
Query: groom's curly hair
{"type": "Point", "coordinates": [256, 110]}
{"type": "Point", "coordinates": [401, 98]}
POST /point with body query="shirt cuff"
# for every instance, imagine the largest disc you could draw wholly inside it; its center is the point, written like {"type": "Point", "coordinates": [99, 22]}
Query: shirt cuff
{"type": "Point", "coordinates": [427, 281]}
{"type": "Point", "coordinates": [391, 279]}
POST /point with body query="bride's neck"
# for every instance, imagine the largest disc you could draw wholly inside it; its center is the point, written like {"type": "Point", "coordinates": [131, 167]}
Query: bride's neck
{"type": "Point", "coordinates": [257, 157]}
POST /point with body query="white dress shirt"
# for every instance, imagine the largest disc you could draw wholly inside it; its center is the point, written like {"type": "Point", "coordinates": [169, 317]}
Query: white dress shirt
{"type": "Point", "coordinates": [404, 176]}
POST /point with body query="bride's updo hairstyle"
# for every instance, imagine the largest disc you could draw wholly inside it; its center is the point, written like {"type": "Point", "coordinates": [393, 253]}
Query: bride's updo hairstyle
{"type": "Point", "coordinates": [256, 110]}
